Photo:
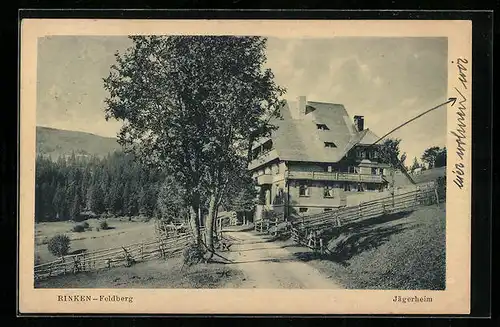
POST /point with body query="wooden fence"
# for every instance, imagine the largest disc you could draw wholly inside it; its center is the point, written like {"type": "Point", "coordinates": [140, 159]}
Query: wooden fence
{"type": "Point", "coordinates": [168, 243]}
{"type": "Point", "coordinates": [264, 225]}
{"type": "Point", "coordinates": [171, 239]}
{"type": "Point", "coordinates": [308, 230]}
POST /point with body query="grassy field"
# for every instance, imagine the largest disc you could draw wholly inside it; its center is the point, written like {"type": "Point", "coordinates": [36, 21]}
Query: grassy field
{"type": "Point", "coordinates": [405, 251]}
{"type": "Point", "coordinates": [122, 232]}
{"type": "Point", "coordinates": [151, 274]}
{"type": "Point", "coordinates": [429, 175]}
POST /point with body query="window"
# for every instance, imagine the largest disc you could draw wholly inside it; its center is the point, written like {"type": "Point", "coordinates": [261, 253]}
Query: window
{"type": "Point", "coordinates": [329, 169]}
{"type": "Point", "coordinates": [330, 145]}
{"type": "Point", "coordinates": [322, 127]}
{"type": "Point", "coordinates": [374, 171]}
{"type": "Point", "coordinates": [303, 190]}
{"type": "Point", "coordinates": [302, 210]}
{"type": "Point", "coordinates": [327, 209]}
{"type": "Point", "coordinates": [347, 187]}
{"type": "Point", "coordinates": [328, 191]}
{"type": "Point", "coordinates": [360, 187]}
{"type": "Point", "coordinates": [375, 154]}
{"type": "Point", "coordinates": [351, 170]}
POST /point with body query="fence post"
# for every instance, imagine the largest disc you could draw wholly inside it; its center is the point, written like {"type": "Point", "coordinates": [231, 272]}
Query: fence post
{"type": "Point", "coordinates": [64, 264]}
{"type": "Point", "coordinates": [436, 193]}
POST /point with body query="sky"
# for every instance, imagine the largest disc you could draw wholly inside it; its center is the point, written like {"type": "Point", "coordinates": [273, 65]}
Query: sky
{"type": "Point", "coordinates": [386, 80]}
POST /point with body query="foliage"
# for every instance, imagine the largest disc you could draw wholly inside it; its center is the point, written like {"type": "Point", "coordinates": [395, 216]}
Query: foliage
{"type": "Point", "coordinates": [78, 228]}
{"type": "Point", "coordinates": [129, 260]}
{"type": "Point", "coordinates": [430, 154]}
{"type": "Point", "coordinates": [415, 164]}
{"type": "Point", "coordinates": [441, 187]}
{"type": "Point", "coordinates": [104, 225]}
{"type": "Point", "coordinates": [76, 188]}
{"type": "Point", "coordinates": [389, 152]}
{"type": "Point", "coordinates": [193, 105]}
{"type": "Point", "coordinates": [440, 160]}
{"type": "Point", "coordinates": [271, 215]}
{"type": "Point", "coordinates": [59, 245]}
{"type": "Point", "coordinates": [241, 194]}
{"type": "Point", "coordinates": [88, 215]}
{"type": "Point", "coordinates": [192, 254]}
{"type": "Point", "coordinates": [171, 200]}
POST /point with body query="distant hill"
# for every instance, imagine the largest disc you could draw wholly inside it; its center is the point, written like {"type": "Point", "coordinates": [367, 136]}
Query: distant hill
{"type": "Point", "coordinates": [56, 142]}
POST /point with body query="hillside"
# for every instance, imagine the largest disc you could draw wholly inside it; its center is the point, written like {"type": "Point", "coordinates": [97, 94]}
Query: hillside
{"type": "Point", "coordinates": [56, 142]}
{"type": "Point", "coordinates": [399, 251]}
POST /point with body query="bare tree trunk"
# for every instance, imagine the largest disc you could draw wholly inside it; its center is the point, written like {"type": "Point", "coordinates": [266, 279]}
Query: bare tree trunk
{"type": "Point", "coordinates": [195, 224]}
{"type": "Point", "coordinates": [209, 225]}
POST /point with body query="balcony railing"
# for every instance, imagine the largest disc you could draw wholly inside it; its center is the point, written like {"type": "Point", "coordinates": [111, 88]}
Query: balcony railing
{"type": "Point", "coordinates": [325, 176]}
{"type": "Point", "coordinates": [263, 158]}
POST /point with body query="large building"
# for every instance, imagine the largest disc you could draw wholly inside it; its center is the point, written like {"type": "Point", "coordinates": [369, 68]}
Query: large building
{"type": "Point", "coordinates": [316, 160]}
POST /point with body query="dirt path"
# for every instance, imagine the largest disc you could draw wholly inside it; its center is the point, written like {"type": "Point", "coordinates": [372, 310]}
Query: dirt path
{"type": "Point", "coordinates": [270, 265]}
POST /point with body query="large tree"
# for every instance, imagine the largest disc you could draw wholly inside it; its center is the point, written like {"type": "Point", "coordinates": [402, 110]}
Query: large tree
{"type": "Point", "coordinates": [193, 105]}
{"type": "Point", "coordinates": [415, 164]}
{"type": "Point", "coordinates": [429, 156]}
{"type": "Point", "coordinates": [440, 160]}
{"type": "Point", "coordinates": [390, 152]}
{"type": "Point", "coordinates": [171, 198]}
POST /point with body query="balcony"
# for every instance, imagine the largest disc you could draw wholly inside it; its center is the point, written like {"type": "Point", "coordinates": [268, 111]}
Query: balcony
{"type": "Point", "coordinates": [265, 179]}
{"type": "Point", "coordinates": [343, 177]}
{"type": "Point", "coordinates": [262, 159]}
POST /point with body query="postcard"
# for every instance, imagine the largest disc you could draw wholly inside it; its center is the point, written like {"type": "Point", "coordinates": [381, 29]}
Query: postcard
{"type": "Point", "coordinates": [245, 166]}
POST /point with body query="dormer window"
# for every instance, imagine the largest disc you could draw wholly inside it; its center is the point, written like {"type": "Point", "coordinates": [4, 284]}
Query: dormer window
{"type": "Point", "coordinates": [330, 145]}
{"type": "Point", "coordinates": [322, 127]}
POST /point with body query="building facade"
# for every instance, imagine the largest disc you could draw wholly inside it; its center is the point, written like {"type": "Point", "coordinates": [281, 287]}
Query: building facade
{"type": "Point", "coordinates": [317, 159]}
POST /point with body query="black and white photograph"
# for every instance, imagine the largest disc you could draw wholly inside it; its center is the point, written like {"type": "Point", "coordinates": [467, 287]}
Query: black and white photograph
{"type": "Point", "coordinates": [258, 162]}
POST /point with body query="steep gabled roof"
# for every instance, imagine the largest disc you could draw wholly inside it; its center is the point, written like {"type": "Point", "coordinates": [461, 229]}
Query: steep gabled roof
{"type": "Point", "coordinates": [301, 140]}
{"type": "Point", "coordinates": [369, 138]}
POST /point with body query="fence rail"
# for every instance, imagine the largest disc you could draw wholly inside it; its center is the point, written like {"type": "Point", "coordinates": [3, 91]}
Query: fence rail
{"type": "Point", "coordinates": [169, 242]}
{"type": "Point", "coordinates": [336, 176]}
{"type": "Point", "coordinates": [308, 230]}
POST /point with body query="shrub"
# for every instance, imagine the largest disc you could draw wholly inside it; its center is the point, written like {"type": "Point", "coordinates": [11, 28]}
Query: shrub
{"type": "Point", "coordinates": [88, 215]}
{"type": "Point", "coordinates": [85, 225]}
{"type": "Point", "coordinates": [78, 228]}
{"type": "Point", "coordinates": [441, 187]}
{"type": "Point", "coordinates": [104, 225]}
{"type": "Point", "coordinates": [192, 254]}
{"type": "Point", "coordinates": [271, 215]}
{"type": "Point", "coordinates": [59, 245]}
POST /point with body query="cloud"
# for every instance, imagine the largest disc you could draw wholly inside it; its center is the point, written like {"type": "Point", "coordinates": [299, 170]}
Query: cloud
{"type": "Point", "coordinates": [387, 80]}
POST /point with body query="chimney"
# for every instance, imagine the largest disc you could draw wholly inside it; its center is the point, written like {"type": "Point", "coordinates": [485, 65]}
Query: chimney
{"type": "Point", "coordinates": [301, 106]}
{"type": "Point", "coordinates": [359, 122]}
